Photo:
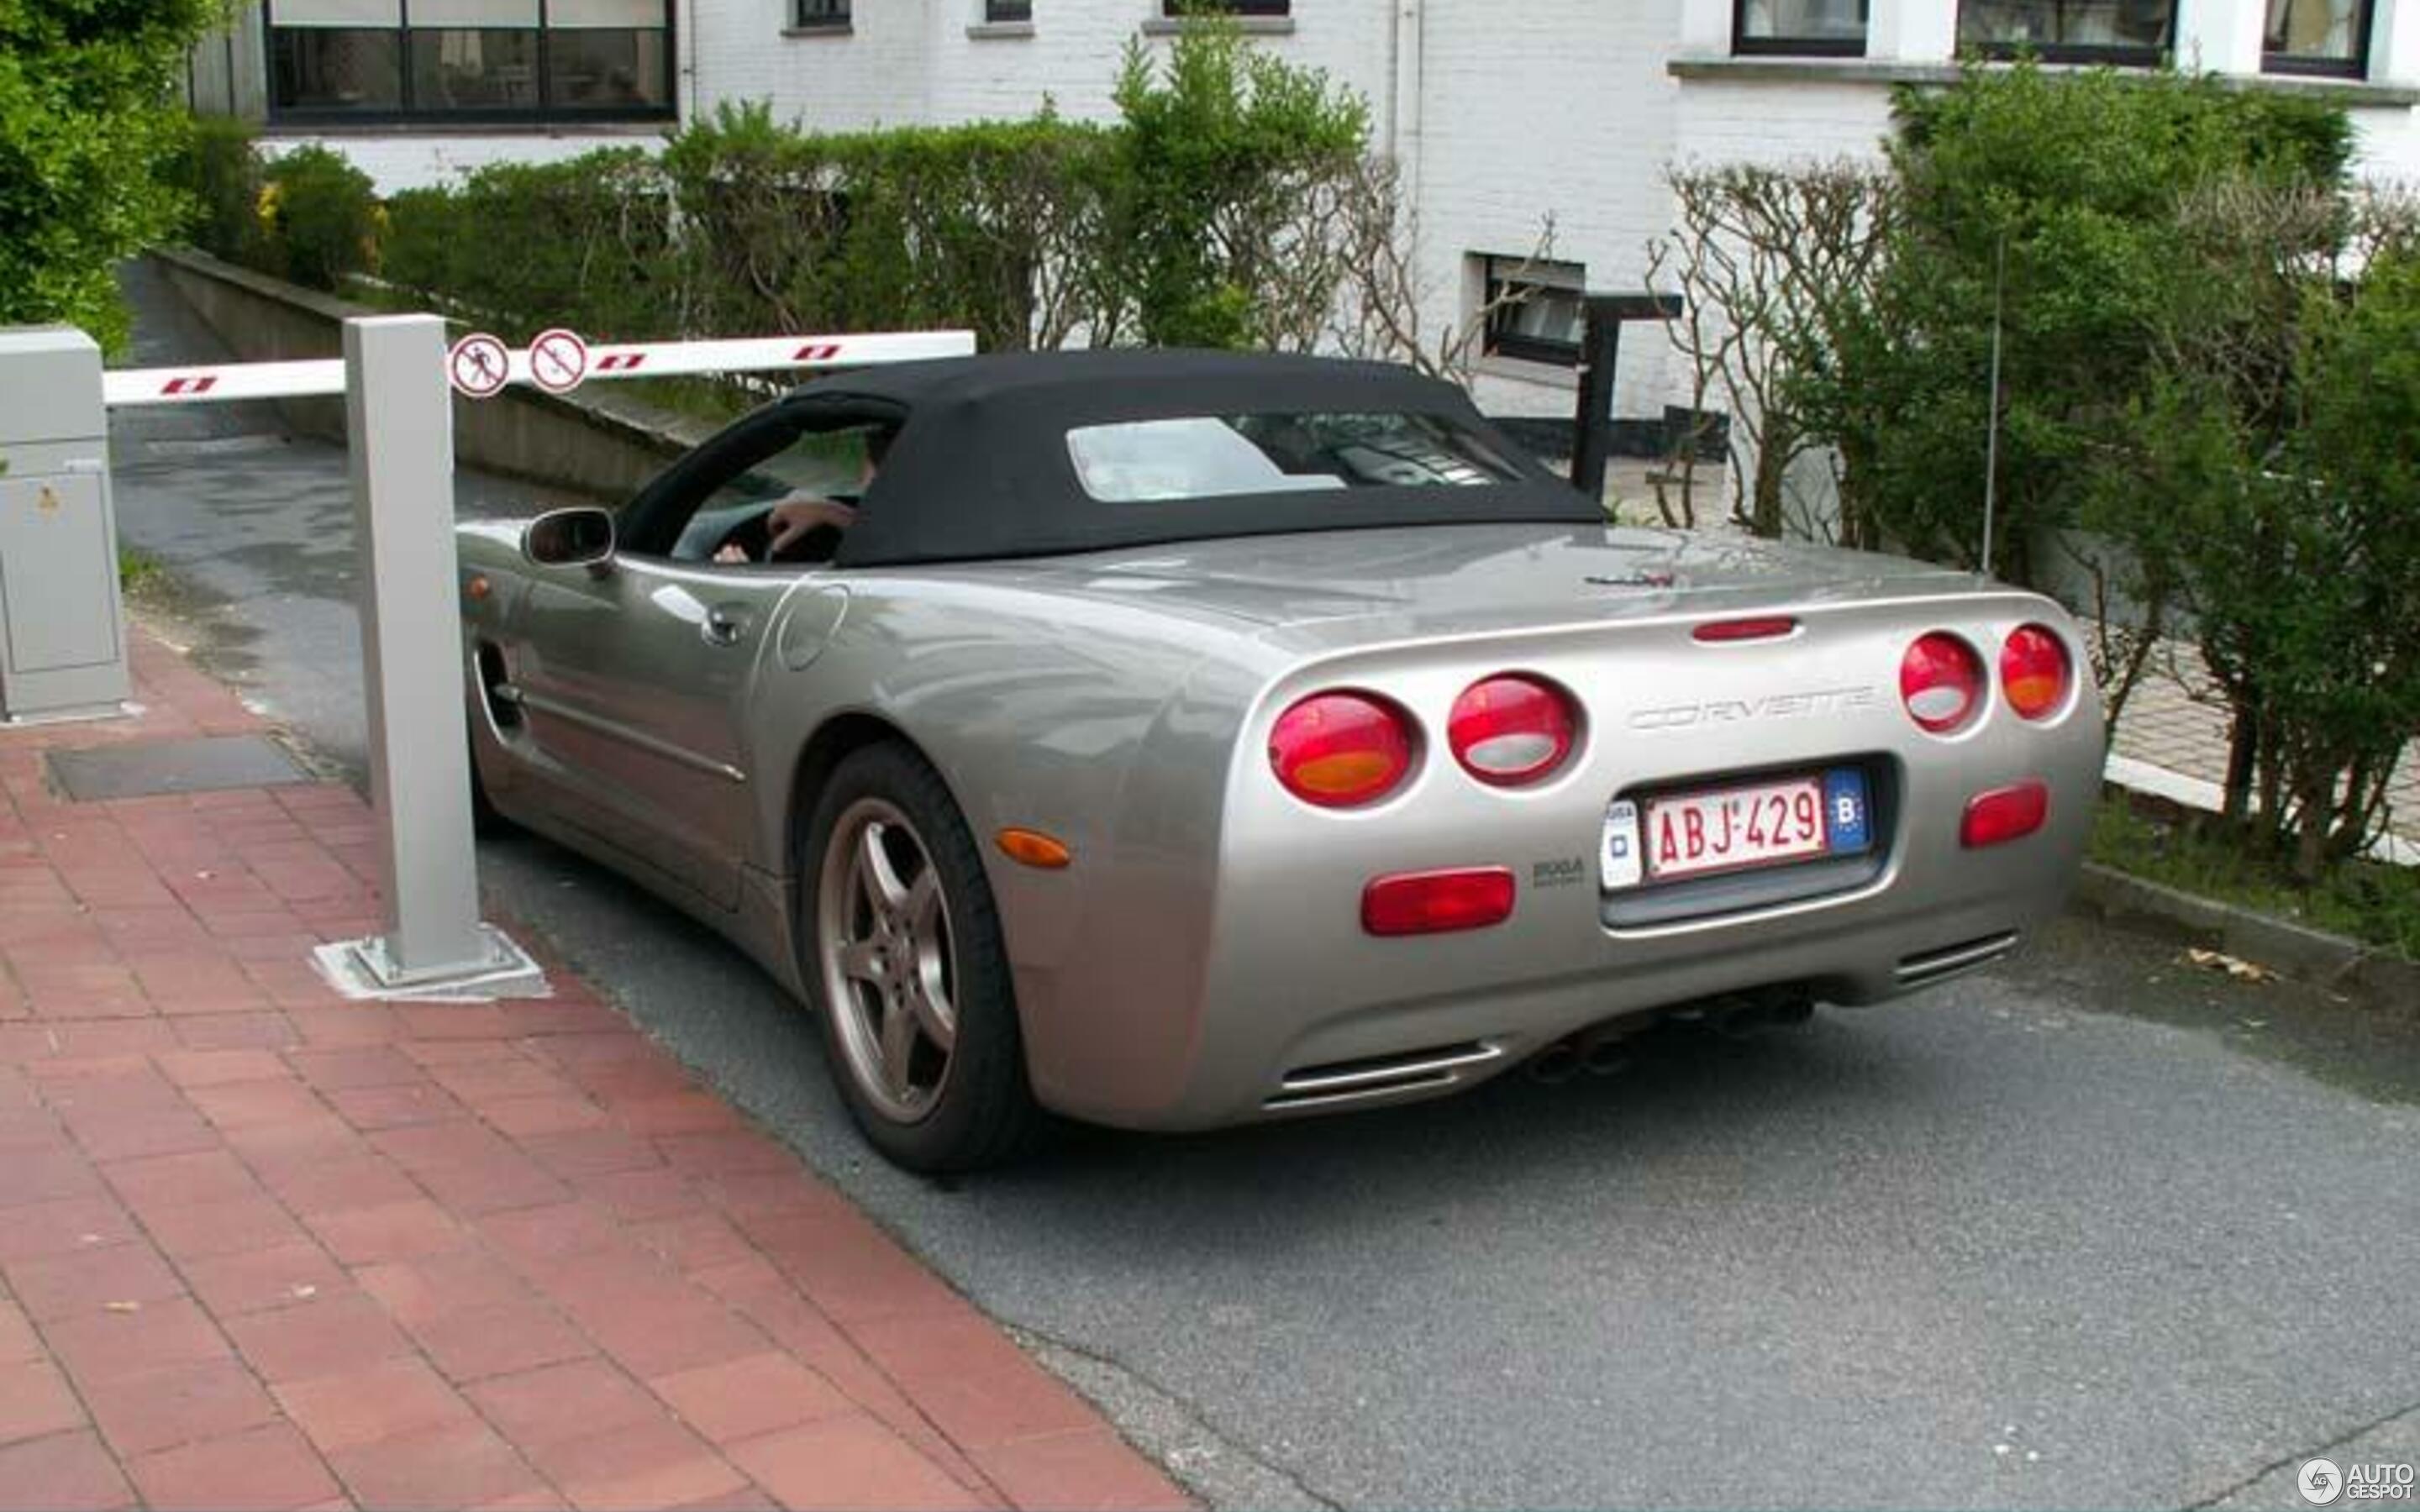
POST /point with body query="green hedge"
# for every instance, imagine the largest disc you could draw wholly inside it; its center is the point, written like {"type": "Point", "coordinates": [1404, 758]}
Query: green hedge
{"type": "Point", "coordinates": [308, 215]}
{"type": "Point", "coordinates": [320, 219]}
{"type": "Point", "coordinates": [222, 176]}
{"type": "Point", "coordinates": [1170, 225]}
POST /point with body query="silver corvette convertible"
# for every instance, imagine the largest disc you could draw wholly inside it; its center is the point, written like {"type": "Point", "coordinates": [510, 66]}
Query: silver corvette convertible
{"type": "Point", "coordinates": [1172, 740]}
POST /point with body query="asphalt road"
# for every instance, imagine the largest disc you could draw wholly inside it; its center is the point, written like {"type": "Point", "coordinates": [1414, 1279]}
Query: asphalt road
{"type": "Point", "coordinates": [2093, 1229]}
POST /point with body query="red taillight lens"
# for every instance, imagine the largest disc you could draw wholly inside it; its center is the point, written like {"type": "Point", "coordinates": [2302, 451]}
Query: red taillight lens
{"type": "Point", "coordinates": [1434, 902]}
{"type": "Point", "coordinates": [2004, 814]}
{"type": "Point", "coordinates": [1941, 680]}
{"type": "Point", "coordinates": [2033, 671]}
{"type": "Point", "coordinates": [1511, 729]}
{"type": "Point", "coordinates": [1338, 750]}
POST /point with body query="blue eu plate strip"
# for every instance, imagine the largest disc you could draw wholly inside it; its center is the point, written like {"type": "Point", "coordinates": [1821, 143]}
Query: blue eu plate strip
{"type": "Point", "coordinates": [1848, 817]}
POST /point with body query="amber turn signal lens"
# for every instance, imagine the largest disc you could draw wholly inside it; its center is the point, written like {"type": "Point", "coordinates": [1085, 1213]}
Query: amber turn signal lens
{"type": "Point", "coordinates": [478, 587]}
{"type": "Point", "coordinates": [2035, 672]}
{"type": "Point", "coordinates": [1031, 847]}
{"type": "Point", "coordinates": [1342, 748]}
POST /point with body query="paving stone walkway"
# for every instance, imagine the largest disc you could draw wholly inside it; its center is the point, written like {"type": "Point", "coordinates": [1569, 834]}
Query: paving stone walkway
{"type": "Point", "coordinates": [263, 1247]}
{"type": "Point", "coordinates": [2173, 722]}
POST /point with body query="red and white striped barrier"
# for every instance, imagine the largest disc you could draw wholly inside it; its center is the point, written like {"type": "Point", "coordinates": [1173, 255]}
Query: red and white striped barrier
{"type": "Point", "coordinates": [667, 359]}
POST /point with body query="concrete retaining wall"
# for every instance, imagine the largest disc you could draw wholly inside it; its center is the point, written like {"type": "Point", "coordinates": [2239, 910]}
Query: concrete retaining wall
{"type": "Point", "coordinates": [595, 441]}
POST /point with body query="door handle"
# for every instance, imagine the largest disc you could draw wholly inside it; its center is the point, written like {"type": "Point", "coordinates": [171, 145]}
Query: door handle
{"type": "Point", "coordinates": [725, 624]}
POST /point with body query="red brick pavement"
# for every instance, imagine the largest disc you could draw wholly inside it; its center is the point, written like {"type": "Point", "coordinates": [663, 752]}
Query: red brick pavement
{"type": "Point", "coordinates": [263, 1247]}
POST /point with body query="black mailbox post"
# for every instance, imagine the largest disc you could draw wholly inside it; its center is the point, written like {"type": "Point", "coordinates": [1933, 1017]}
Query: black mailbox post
{"type": "Point", "coordinates": [1599, 343]}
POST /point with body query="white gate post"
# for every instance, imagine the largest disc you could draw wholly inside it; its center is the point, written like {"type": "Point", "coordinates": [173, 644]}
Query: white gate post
{"type": "Point", "coordinates": [399, 422]}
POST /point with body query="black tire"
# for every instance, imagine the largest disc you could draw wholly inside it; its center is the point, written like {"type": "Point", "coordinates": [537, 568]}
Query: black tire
{"type": "Point", "coordinates": [981, 1111]}
{"type": "Point", "coordinates": [486, 818]}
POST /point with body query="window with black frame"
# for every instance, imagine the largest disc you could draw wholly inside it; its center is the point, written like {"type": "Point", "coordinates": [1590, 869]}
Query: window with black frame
{"type": "Point", "coordinates": [1535, 310]}
{"type": "Point", "coordinates": [1807, 28]}
{"type": "Point", "coordinates": [388, 61]}
{"type": "Point", "coordinates": [996, 11]}
{"type": "Point", "coordinates": [2070, 31]}
{"type": "Point", "coordinates": [2326, 36]}
{"type": "Point", "coordinates": [812, 15]}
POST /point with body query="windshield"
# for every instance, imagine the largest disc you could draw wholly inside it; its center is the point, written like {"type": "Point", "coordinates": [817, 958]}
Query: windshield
{"type": "Point", "coordinates": [1210, 456]}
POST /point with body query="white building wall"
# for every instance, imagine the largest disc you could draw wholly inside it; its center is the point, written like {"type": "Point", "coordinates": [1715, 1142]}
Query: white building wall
{"type": "Point", "coordinates": [1556, 108]}
{"type": "Point", "coordinates": [934, 62]}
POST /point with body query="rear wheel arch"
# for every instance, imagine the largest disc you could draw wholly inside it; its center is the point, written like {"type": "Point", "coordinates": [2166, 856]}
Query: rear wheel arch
{"type": "Point", "coordinates": [834, 741]}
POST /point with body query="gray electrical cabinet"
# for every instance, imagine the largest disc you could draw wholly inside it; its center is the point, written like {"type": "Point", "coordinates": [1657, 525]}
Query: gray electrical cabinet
{"type": "Point", "coordinates": [62, 648]}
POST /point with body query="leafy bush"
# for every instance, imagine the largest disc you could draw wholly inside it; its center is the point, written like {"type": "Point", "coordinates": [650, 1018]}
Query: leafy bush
{"type": "Point", "coordinates": [2069, 185]}
{"type": "Point", "coordinates": [86, 125]}
{"type": "Point", "coordinates": [992, 225]}
{"type": "Point", "coordinates": [319, 217]}
{"type": "Point", "coordinates": [521, 247]}
{"type": "Point", "coordinates": [1224, 153]}
{"type": "Point", "coordinates": [221, 174]}
{"type": "Point", "coordinates": [1206, 218]}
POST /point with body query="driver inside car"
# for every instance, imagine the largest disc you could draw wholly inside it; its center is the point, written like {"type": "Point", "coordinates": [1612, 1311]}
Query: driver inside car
{"type": "Point", "coordinates": [789, 524]}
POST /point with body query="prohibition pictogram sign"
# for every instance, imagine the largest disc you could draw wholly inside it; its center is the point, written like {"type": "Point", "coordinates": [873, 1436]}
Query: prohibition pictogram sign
{"type": "Point", "coordinates": [478, 365]}
{"type": "Point", "coordinates": [558, 360]}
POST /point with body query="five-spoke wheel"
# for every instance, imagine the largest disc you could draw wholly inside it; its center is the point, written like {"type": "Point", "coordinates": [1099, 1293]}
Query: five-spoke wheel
{"type": "Point", "coordinates": [889, 964]}
{"type": "Point", "coordinates": [901, 947]}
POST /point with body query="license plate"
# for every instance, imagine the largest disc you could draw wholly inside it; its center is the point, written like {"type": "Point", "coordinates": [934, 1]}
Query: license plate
{"type": "Point", "coordinates": [1730, 829]}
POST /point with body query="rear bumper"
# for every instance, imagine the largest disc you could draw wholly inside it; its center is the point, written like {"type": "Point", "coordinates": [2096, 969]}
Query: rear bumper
{"type": "Point", "coordinates": [1216, 993]}
{"type": "Point", "coordinates": [1265, 1052]}
{"type": "Point", "coordinates": [1289, 987]}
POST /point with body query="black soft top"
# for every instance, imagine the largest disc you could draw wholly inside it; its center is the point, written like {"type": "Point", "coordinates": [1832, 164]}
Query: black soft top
{"type": "Point", "coordinates": [980, 467]}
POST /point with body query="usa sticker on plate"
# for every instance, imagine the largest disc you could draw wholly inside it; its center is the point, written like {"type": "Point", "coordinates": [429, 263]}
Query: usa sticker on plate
{"type": "Point", "coordinates": [1616, 856]}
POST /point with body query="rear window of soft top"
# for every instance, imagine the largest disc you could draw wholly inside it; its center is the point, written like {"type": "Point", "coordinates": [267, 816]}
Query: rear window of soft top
{"type": "Point", "coordinates": [1210, 456]}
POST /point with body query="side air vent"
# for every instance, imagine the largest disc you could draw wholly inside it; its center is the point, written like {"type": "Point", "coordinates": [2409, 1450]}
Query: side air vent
{"type": "Point", "coordinates": [1932, 966]}
{"type": "Point", "coordinates": [502, 705]}
{"type": "Point", "coordinates": [1377, 1076]}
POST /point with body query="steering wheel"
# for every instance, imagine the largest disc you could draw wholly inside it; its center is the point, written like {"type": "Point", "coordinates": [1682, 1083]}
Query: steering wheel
{"type": "Point", "coordinates": [754, 536]}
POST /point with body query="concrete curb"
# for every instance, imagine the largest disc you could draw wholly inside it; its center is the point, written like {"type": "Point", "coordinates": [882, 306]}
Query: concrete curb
{"type": "Point", "coordinates": [2327, 961]}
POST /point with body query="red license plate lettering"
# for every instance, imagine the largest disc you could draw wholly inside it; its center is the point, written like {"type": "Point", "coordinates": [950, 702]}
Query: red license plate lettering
{"type": "Point", "coordinates": [1730, 828]}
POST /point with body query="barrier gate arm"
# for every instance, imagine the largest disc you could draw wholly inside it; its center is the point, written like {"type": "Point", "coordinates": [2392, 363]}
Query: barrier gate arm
{"type": "Point", "coordinates": [399, 429]}
{"type": "Point", "coordinates": [225, 382]}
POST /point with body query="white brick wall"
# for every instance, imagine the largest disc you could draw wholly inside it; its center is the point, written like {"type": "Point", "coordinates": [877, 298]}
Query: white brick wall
{"type": "Point", "coordinates": [913, 61]}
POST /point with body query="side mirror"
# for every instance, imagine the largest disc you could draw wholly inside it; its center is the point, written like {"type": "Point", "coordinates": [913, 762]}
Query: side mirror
{"type": "Point", "coordinates": [578, 538]}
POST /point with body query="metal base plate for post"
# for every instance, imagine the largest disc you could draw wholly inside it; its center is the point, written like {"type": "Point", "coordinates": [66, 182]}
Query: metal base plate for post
{"type": "Point", "coordinates": [366, 969]}
{"type": "Point", "coordinates": [80, 714]}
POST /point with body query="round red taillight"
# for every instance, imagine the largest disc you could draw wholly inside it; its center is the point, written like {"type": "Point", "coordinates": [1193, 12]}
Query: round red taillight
{"type": "Point", "coordinates": [1941, 680]}
{"type": "Point", "coordinates": [2033, 671]}
{"type": "Point", "coordinates": [1340, 749]}
{"type": "Point", "coordinates": [1511, 729]}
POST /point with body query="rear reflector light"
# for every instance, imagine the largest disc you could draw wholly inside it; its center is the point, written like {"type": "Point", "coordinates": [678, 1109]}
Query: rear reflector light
{"type": "Point", "coordinates": [1767, 627]}
{"type": "Point", "coordinates": [1511, 729]}
{"type": "Point", "coordinates": [1940, 679]}
{"type": "Point", "coordinates": [2033, 671]}
{"type": "Point", "coordinates": [2004, 814]}
{"type": "Point", "coordinates": [1436, 903]}
{"type": "Point", "coordinates": [1340, 749]}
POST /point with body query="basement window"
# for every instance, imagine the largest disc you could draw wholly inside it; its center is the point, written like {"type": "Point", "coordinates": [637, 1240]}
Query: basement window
{"type": "Point", "coordinates": [1534, 308]}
